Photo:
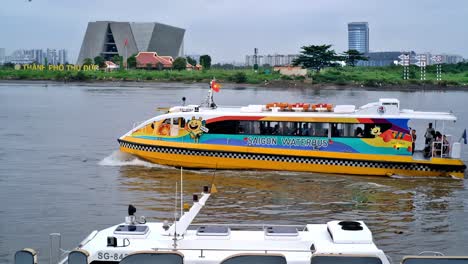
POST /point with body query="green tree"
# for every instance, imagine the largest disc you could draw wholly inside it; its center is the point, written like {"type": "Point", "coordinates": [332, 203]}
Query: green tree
{"type": "Point", "coordinates": [351, 57]}
{"type": "Point", "coordinates": [317, 57]}
{"type": "Point", "coordinates": [131, 61]}
{"type": "Point", "coordinates": [239, 77]}
{"type": "Point", "coordinates": [205, 61]}
{"type": "Point", "coordinates": [9, 65]}
{"type": "Point", "coordinates": [191, 61]}
{"type": "Point", "coordinates": [87, 61]}
{"type": "Point", "coordinates": [179, 64]}
{"type": "Point", "coordinates": [116, 59]}
{"type": "Point", "coordinates": [98, 60]}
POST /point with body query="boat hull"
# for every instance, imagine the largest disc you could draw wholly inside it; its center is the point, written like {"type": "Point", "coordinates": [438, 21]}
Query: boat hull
{"type": "Point", "coordinates": [204, 156]}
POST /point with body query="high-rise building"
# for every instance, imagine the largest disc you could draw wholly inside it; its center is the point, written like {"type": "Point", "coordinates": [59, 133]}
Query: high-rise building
{"type": "Point", "coordinates": [52, 57]}
{"type": "Point", "coordinates": [62, 56]}
{"type": "Point", "coordinates": [39, 56]}
{"type": "Point", "coordinates": [2, 55]}
{"type": "Point", "coordinates": [358, 36]}
{"type": "Point", "coordinates": [109, 38]}
{"type": "Point", "coordinates": [271, 59]}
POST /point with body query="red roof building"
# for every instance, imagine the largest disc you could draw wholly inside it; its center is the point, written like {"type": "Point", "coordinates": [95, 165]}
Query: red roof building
{"type": "Point", "coordinates": [153, 60]}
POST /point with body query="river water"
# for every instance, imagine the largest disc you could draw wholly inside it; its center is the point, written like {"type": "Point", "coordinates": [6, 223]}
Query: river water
{"type": "Point", "coordinates": [60, 171]}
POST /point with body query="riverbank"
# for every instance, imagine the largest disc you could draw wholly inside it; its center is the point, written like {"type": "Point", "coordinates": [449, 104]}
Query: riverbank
{"type": "Point", "coordinates": [228, 85]}
{"type": "Point", "coordinates": [363, 77]}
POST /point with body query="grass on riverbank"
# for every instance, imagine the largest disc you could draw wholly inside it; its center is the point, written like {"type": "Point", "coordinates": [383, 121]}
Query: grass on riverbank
{"type": "Point", "coordinates": [453, 75]}
{"type": "Point", "coordinates": [392, 75]}
{"type": "Point", "coordinates": [236, 76]}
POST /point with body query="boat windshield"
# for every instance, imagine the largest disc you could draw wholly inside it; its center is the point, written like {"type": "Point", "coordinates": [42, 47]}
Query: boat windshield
{"type": "Point", "coordinates": [345, 260]}
{"type": "Point", "coordinates": [434, 260]}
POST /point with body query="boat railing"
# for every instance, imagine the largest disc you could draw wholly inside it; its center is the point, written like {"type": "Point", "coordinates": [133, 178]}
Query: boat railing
{"type": "Point", "coordinates": [266, 251]}
{"type": "Point", "coordinates": [249, 226]}
{"type": "Point", "coordinates": [137, 123]}
{"type": "Point", "coordinates": [440, 149]}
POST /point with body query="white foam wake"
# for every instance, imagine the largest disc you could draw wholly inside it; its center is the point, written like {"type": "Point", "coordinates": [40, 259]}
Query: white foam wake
{"type": "Point", "coordinates": [119, 158]}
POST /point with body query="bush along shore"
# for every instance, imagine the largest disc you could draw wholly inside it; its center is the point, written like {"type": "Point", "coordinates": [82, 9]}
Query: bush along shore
{"type": "Point", "coordinates": [452, 75]}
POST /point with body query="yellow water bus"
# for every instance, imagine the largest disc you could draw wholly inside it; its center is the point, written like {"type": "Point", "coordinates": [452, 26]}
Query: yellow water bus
{"type": "Point", "coordinates": [373, 139]}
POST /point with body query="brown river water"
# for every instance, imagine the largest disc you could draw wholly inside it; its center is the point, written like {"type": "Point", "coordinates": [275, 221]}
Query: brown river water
{"type": "Point", "coordinates": [60, 171]}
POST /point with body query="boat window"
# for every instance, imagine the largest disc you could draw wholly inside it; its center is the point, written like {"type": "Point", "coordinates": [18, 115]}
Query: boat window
{"type": "Point", "coordinates": [182, 122]}
{"type": "Point", "coordinates": [167, 121]}
{"type": "Point", "coordinates": [344, 260]}
{"type": "Point", "coordinates": [347, 130]}
{"type": "Point", "coordinates": [224, 127]}
{"type": "Point", "coordinates": [287, 128]}
{"type": "Point", "coordinates": [336, 130]}
{"type": "Point", "coordinates": [318, 129]}
{"type": "Point", "coordinates": [248, 127]}
{"type": "Point", "coordinates": [179, 121]}
{"type": "Point", "coordinates": [269, 128]}
{"type": "Point", "coordinates": [278, 128]}
{"type": "Point", "coordinates": [257, 259]}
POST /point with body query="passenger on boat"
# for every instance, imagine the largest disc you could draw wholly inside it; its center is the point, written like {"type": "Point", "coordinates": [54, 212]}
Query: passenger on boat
{"type": "Point", "coordinates": [437, 145]}
{"type": "Point", "coordinates": [305, 129]}
{"type": "Point", "coordinates": [413, 135]}
{"type": "Point", "coordinates": [445, 146]}
{"type": "Point", "coordinates": [297, 132]}
{"type": "Point", "coordinates": [335, 131]}
{"type": "Point", "coordinates": [275, 130]}
{"type": "Point", "coordinates": [358, 132]}
{"type": "Point", "coordinates": [429, 133]}
{"type": "Point", "coordinates": [428, 146]}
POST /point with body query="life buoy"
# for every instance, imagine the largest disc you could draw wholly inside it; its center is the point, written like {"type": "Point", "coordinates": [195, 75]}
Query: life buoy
{"type": "Point", "coordinates": [322, 107]}
{"type": "Point", "coordinates": [164, 129]}
{"type": "Point", "coordinates": [304, 106]}
{"type": "Point", "coordinates": [282, 106]}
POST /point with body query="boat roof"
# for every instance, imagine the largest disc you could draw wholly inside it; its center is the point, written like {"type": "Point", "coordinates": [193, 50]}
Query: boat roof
{"type": "Point", "coordinates": [217, 242]}
{"type": "Point", "coordinates": [256, 110]}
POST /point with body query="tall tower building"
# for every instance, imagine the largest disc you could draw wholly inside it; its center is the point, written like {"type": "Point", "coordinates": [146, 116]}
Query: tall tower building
{"type": "Point", "coordinates": [358, 36]}
{"type": "Point", "coordinates": [2, 55]}
{"type": "Point", "coordinates": [52, 57]}
{"type": "Point", "coordinates": [39, 56]}
{"type": "Point", "coordinates": [62, 56]}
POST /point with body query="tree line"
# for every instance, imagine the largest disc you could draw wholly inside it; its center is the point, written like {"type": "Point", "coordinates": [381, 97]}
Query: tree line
{"type": "Point", "coordinates": [317, 57]}
{"type": "Point", "coordinates": [180, 63]}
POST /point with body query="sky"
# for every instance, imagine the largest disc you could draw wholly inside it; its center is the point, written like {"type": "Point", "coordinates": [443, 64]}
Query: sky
{"type": "Point", "coordinates": [228, 30]}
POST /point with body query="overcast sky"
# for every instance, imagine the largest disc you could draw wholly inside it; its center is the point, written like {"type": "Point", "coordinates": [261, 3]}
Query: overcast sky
{"type": "Point", "coordinates": [230, 29]}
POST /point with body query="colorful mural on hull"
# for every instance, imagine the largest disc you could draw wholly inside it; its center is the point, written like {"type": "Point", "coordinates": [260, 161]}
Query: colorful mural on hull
{"type": "Point", "coordinates": [394, 140]}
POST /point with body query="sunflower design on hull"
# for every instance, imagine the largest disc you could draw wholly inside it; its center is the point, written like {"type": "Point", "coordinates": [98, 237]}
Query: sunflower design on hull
{"type": "Point", "coordinates": [196, 128]}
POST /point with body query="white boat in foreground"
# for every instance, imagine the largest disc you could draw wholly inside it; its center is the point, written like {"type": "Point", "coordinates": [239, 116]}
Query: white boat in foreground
{"type": "Point", "coordinates": [136, 241]}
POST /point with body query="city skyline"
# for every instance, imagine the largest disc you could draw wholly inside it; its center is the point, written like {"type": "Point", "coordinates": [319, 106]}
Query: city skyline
{"type": "Point", "coordinates": [39, 56]}
{"type": "Point", "coordinates": [230, 30]}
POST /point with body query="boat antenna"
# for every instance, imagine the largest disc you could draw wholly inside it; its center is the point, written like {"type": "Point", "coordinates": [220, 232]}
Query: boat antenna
{"type": "Point", "coordinates": [181, 191]}
{"type": "Point", "coordinates": [183, 101]}
{"type": "Point", "coordinates": [175, 219]}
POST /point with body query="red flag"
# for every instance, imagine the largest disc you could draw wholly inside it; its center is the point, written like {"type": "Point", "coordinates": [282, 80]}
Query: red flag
{"type": "Point", "coordinates": [126, 42]}
{"type": "Point", "coordinates": [215, 86]}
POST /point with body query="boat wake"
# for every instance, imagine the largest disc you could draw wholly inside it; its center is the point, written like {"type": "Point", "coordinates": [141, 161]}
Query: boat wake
{"type": "Point", "coordinates": [396, 176]}
{"type": "Point", "coordinates": [118, 158]}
